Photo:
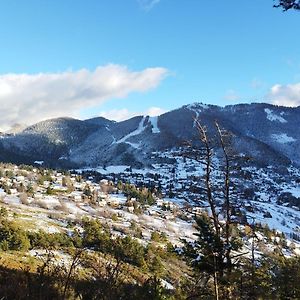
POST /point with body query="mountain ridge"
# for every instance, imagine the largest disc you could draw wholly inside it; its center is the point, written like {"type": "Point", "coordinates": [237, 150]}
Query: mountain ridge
{"type": "Point", "coordinates": [269, 131]}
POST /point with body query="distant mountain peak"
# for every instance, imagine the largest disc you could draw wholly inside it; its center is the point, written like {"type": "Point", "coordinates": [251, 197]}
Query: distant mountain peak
{"type": "Point", "coordinates": [99, 121]}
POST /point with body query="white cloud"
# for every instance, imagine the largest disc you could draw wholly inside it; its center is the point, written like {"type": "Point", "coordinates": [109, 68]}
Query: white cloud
{"type": "Point", "coordinates": [231, 95]}
{"type": "Point", "coordinates": [286, 95]}
{"type": "Point", "coordinates": [147, 4]}
{"type": "Point", "coordinates": [117, 114]}
{"type": "Point", "coordinates": [154, 111]}
{"type": "Point", "coordinates": [124, 113]}
{"type": "Point", "coordinates": [26, 98]}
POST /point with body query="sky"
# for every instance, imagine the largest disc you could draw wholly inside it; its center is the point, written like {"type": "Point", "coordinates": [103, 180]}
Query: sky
{"type": "Point", "coordinates": [120, 58]}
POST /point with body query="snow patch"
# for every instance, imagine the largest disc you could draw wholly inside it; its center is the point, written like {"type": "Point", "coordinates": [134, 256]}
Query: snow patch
{"type": "Point", "coordinates": [284, 219]}
{"type": "Point", "coordinates": [192, 108]}
{"type": "Point", "coordinates": [153, 121]}
{"type": "Point", "coordinates": [196, 108]}
{"type": "Point", "coordinates": [197, 105]}
{"type": "Point", "coordinates": [271, 116]}
{"type": "Point", "coordinates": [282, 138]}
{"type": "Point", "coordinates": [133, 145]}
{"type": "Point", "coordinates": [138, 131]}
{"type": "Point", "coordinates": [167, 285]}
{"type": "Point", "coordinates": [114, 139]}
{"type": "Point", "coordinates": [107, 170]}
{"type": "Point", "coordinates": [11, 199]}
{"type": "Point", "coordinates": [295, 191]}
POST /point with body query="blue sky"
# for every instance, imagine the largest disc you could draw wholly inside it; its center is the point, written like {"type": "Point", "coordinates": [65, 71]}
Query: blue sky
{"type": "Point", "coordinates": [164, 54]}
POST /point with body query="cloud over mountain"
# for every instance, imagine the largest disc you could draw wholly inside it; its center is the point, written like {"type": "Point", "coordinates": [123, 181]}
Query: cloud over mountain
{"type": "Point", "coordinates": [287, 95]}
{"type": "Point", "coordinates": [26, 98]}
{"type": "Point", "coordinates": [124, 113]}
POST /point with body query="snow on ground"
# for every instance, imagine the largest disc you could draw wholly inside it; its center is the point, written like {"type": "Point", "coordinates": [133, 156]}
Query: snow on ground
{"type": "Point", "coordinates": [282, 138]}
{"type": "Point", "coordinates": [59, 257]}
{"type": "Point", "coordinates": [50, 202]}
{"type": "Point", "coordinates": [38, 220]}
{"type": "Point", "coordinates": [153, 121]}
{"type": "Point", "coordinates": [167, 285]}
{"type": "Point", "coordinates": [133, 145]}
{"type": "Point", "coordinates": [45, 226]}
{"type": "Point", "coordinates": [113, 137]}
{"type": "Point", "coordinates": [139, 130]}
{"type": "Point", "coordinates": [193, 109]}
{"type": "Point", "coordinates": [263, 196]}
{"type": "Point", "coordinates": [107, 170]}
{"type": "Point", "coordinates": [178, 229]}
{"type": "Point", "coordinates": [175, 229]}
{"type": "Point", "coordinates": [197, 105]}
{"type": "Point", "coordinates": [12, 199]}
{"type": "Point", "coordinates": [117, 197]}
{"type": "Point", "coordinates": [295, 191]}
{"type": "Point", "coordinates": [196, 108]}
{"type": "Point", "coordinates": [86, 208]}
{"type": "Point", "coordinates": [183, 168]}
{"type": "Point", "coordinates": [297, 250]}
{"type": "Point", "coordinates": [284, 219]}
{"type": "Point", "coordinates": [126, 216]}
{"type": "Point", "coordinates": [271, 116]}
{"type": "Point", "coordinates": [73, 209]}
{"type": "Point", "coordinates": [177, 201]}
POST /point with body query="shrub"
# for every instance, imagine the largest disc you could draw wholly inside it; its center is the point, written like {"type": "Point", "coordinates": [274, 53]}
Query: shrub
{"type": "Point", "coordinates": [12, 237]}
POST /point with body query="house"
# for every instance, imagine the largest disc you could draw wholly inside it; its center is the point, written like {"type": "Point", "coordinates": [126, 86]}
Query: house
{"type": "Point", "coordinates": [130, 209]}
{"type": "Point", "coordinates": [104, 182]}
{"type": "Point", "coordinates": [159, 202]}
{"type": "Point", "coordinates": [102, 199]}
{"type": "Point", "coordinates": [197, 211]}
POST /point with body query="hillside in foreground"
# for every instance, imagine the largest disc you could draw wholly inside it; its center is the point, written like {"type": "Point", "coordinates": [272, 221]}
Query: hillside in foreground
{"type": "Point", "coordinates": [88, 236]}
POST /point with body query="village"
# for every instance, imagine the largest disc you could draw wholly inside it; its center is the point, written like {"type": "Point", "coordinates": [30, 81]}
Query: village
{"type": "Point", "coordinates": [65, 207]}
{"type": "Point", "coordinates": [50, 200]}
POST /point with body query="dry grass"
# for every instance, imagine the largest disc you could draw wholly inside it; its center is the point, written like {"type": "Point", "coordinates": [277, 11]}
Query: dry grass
{"type": "Point", "coordinates": [24, 198]}
{"type": "Point", "coordinates": [40, 203]}
{"type": "Point", "coordinates": [18, 260]}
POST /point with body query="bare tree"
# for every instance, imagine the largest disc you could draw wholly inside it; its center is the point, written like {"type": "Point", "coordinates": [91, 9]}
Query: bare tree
{"type": "Point", "coordinates": [206, 156]}
{"type": "Point", "coordinates": [76, 261]}
{"type": "Point", "coordinates": [229, 157]}
{"type": "Point", "coordinates": [215, 239]}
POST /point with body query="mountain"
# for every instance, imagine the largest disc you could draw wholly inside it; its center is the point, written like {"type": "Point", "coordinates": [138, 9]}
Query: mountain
{"type": "Point", "coordinates": [267, 133]}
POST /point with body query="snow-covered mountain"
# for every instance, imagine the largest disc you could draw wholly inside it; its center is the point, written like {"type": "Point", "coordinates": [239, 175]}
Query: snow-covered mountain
{"type": "Point", "coordinates": [269, 134]}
